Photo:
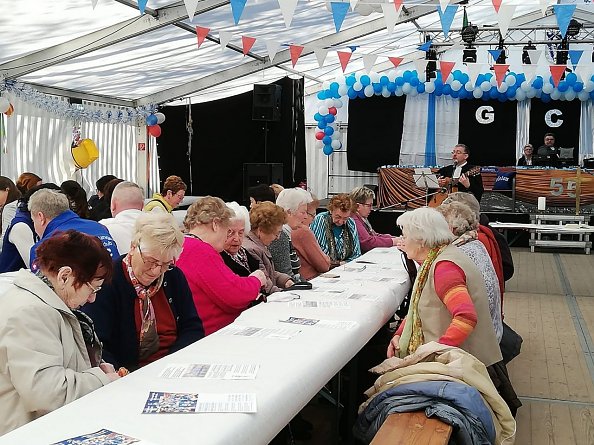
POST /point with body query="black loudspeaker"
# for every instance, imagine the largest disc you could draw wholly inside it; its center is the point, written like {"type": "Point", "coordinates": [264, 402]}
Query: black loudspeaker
{"type": "Point", "coordinates": [267, 103]}
{"type": "Point", "coordinates": [254, 174]}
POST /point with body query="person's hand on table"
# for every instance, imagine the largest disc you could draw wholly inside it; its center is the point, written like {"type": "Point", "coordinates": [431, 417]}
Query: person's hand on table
{"type": "Point", "coordinates": [393, 346]}
{"type": "Point", "coordinates": [289, 283]}
{"type": "Point", "coordinates": [260, 276]}
{"type": "Point", "coordinates": [109, 370]}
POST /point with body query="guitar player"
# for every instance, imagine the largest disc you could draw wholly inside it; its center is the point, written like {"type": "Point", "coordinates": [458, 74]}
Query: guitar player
{"type": "Point", "coordinates": [455, 174]}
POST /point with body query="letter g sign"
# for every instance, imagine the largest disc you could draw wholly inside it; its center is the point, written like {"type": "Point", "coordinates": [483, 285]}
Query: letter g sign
{"type": "Point", "coordinates": [485, 115]}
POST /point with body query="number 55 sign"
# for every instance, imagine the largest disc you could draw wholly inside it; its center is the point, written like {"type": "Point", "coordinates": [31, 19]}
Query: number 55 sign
{"type": "Point", "coordinates": [563, 185]}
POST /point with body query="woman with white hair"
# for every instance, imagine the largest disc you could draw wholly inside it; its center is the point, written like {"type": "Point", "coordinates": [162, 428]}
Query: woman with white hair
{"type": "Point", "coordinates": [235, 256]}
{"type": "Point", "coordinates": [449, 301]}
{"type": "Point", "coordinates": [147, 311]}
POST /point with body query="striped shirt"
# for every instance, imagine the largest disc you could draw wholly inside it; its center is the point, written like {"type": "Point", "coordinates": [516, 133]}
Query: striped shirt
{"type": "Point", "coordinates": [319, 229]}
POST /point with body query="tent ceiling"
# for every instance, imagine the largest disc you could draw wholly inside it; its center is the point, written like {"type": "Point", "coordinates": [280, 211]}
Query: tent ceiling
{"type": "Point", "coordinates": [118, 56]}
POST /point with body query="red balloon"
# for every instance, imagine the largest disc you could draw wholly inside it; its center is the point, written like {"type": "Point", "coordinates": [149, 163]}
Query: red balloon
{"type": "Point", "coordinates": [320, 135]}
{"type": "Point", "coordinates": [155, 130]}
{"type": "Point", "coordinates": [332, 110]}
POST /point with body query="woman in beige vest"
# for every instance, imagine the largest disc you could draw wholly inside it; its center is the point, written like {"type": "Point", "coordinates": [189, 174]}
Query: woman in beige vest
{"type": "Point", "coordinates": [449, 301]}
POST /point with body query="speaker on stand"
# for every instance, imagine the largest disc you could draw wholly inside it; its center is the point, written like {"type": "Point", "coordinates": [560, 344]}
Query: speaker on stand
{"type": "Point", "coordinates": [266, 107]}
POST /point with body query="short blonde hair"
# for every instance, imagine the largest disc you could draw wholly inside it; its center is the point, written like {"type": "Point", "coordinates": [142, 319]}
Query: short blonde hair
{"type": "Point", "coordinates": [266, 216]}
{"type": "Point", "coordinates": [459, 216]}
{"type": "Point", "coordinates": [342, 202]}
{"type": "Point", "coordinates": [426, 226]}
{"type": "Point", "coordinates": [206, 210]}
{"type": "Point", "coordinates": [49, 202]}
{"type": "Point", "coordinates": [157, 232]}
{"type": "Point", "coordinates": [241, 214]}
{"type": "Point", "coordinates": [361, 194]}
{"type": "Point", "coordinates": [291, 199]}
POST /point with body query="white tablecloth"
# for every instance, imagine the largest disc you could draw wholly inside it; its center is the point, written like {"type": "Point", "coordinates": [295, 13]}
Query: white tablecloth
{"type": "Point", "coordinates": [291, 371]}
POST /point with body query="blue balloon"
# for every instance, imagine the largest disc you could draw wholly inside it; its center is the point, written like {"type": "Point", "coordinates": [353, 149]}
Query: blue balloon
{"type": "Point", "coordinates": [318, 117]}
{"type": "Point", "coordinates": [447, 89]}
{"type": "Point", "coordinates": [501, 98]}
{"type": "Point", "coordinates": [151, 119]}
{"type": "Point", "coordinates": [455, 94]}
{"type": "Point", "coordinates": [407, 75]}
{"type": "Point", "coordinates": [421, 88]}
{"type": "Point", "coordinates": [329, 94]}
{"type": "Point", "coordinates": [521, 78]}
{"type": "Point", "coordinates": [327, 140]}
{"type": "Point", "coordinates": [330, 118]}
{"type": "Point", "coordinates": [480, 79]}
{"type": "Point", "coordinates": [329, 131]}
{"type": "Point", "coordinates": [563, 86]}
{"type": "Point", "coordinates": [377, 88]}
{"type": "Point", "coordinates": [350, 81]}
{"type": "Point", "coordinates": [488, 76]}
{"type": "Point", "coordinates": [457, 75]}
{"type": "Point", "coordinates": [493, 93]}
{"type": "Point", "coordinates": [464, 78]}
{"type": "Point", "coordinates": [438, 90]}
{"type": "Point", "coordinates": [384, 80]}
{"type": "Point", "coordinates": [571, 79]}
{"type": "Point", "coordinates": [365, 80]}
{"type": "Point", "coordinates": [486, 96]}
{"type": "Point", "coordinates": [352, 94]}
{"type": "Point", "coordinates": [327, 150]}
{"type": "Point", "coordinates": [361, 94]}
{"type": "Point", "coordinates": [391, 87]}
{"type": "Point", "coordinates": [334, 86]}
{"type": "Point", "coordinates": [578, 86]}
{"type": "Point", "coordinates": [414, 81]}
{"type": "Point", "coordinates": [399, 81]}
{"type": "Point", "coordinates": [545, 97]}
{"type": "Point", "coordinates": [322, 95]}
{"type": "Point", "coordinates": [592, 95]}
{"type": "Point", "coordinates": [322, 125]}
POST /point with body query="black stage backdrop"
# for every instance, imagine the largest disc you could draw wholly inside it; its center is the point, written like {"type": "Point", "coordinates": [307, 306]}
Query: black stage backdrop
{"type": "Point", "coordinates": [559, 117]}
{"type": "Point", "coordinates": [225, 137]}
{"type": "Point", "coordinates": [488, 128]}
{"type": "Point", "coordinates": [375, 132]}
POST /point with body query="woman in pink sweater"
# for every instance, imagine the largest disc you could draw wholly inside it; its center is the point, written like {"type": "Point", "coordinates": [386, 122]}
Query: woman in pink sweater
{"type": "Point", "coordinates": [219, 294]}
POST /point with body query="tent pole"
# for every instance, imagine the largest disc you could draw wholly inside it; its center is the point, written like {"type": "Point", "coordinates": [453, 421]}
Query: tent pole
{"type": "Point", "coordinates": [190, 133]}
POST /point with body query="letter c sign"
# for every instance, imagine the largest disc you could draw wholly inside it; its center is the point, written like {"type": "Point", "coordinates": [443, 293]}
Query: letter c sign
{"type": "Point", "coordinates": [553, 118]}
{"type": "Point", "coordinates": [485, 115]}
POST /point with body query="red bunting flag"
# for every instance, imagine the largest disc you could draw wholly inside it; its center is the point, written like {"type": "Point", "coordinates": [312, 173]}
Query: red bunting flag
{"type": "Point", "coordinates": [295, 51]}
{"type": "Point", "coordinates": [201, 33]}
{"type": "Point", "coordinates": [445, 68]}
{"type": "Point", "coordinates": [500, 71]}
{"type": "Point", "coordinates": [557, 71]}
{"type": "Point", "coordinates": [396, 61]}
{"type": "Point", "coordinates": [247, 43]}
{"type": "Point", "coordinates": [398, 4]}
{"type": "Point", "coordinates": [344, 57]}
{"type": "Point", "coordinates": [496, 5]}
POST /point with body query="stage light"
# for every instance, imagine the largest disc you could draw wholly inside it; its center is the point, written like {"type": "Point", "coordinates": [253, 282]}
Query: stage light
{"type": "Point", "coordinates": [431, 70]}
{"type": "Point", "coordinates": [502, 57]}
{"type": "Point", "coordinates": [562, 49]}
{"type": "Point", "coordinates": [469, 33]}
{"type": "Point", "coordinates": [469, 55]}
{"type": "Point", "coordinates": [526, 55]}
{"type": "Point", "coordinates": [573, 29]}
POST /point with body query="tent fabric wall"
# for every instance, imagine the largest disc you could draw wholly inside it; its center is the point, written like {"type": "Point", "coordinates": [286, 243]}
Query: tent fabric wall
{"type": "Point", "coordinates": [586, 130]}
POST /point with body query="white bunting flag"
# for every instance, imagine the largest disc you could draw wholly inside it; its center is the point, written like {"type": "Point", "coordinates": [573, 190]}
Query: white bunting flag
{"type": "Point", "coordinates": [420, 66]}
{"type": "Point", "coordinates": [287, 7]}
{"type": "Point", "coordinates": [369, 61]}
{"type": "Point", "coordinates": [272, 46]}
{"type": "Point", "coordinates": [391, 15]}
{"type": "Point", "coordinates": [443, 4]}
{"type": "Point", "coordinates": [534, 55]}
{"type": "Point", "coordinates": [191, 8]}
{"type": "Point", "coordinates": [584, 70]}
{"type": "Point", "coordinates": [504, 17]}
{"type": "Point", "coordinates": [544, 4]}
{"type": "Point", "coordinates": [530, 71]}
{"type": "Point", "coordinates": [94, 3]}
{"type": "Point", "coordinates": [321, 54]}
{"type": "Point", "coordinates": [225, 38]}
{"type": "Point", "coordinates": [474, 69]}
{"type": "Point", "coordinates": [353, 4]}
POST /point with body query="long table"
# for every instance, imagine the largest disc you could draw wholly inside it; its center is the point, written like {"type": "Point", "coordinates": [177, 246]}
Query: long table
{"type": "Point", "coordinates": [291, 371]}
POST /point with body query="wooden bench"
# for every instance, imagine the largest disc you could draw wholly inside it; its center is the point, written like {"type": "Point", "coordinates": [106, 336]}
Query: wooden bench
{"type": "Point", "coordinates": [412, 429]}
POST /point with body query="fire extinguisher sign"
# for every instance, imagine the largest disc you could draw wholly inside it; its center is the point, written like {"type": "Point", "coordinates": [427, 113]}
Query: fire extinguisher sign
{"type": "Point", "coordinates": [141, 146]}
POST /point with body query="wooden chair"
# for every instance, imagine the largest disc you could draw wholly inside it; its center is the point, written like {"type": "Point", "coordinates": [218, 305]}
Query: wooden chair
{"type": "Point", "coordinates": [412, 428]}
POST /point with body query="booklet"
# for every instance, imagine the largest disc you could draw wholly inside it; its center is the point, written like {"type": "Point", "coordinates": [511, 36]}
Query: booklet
{"type": "Point", "coordinates": [101, 437]}
{"type": "Point", "coordinates": [184, 403]}
{"type": "Point", "coordinates": [321, 304]}
{"type": "Point", "coordinates": [211, 371]}
{"type": "Point", "coordinates": [331, 324]}
{"type": "Point", "coordinates": [246, 331]}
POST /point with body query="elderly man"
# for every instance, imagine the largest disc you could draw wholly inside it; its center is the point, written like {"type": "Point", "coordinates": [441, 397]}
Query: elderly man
{"type": "Point", "coordinates": [51, 213]}
{"type": "Point", "coordinates": [547, 154]}
{"type": "Point", "coordinates": [171, 196]}
{"type": "Point", "coordinates": [126, 206]}
{"type": "Point", "coordinates": [461, 174]}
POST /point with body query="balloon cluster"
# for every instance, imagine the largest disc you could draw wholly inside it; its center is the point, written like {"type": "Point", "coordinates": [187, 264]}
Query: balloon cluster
{"type": "Point", "coordinates": [328, 136]}
{"type": "Point", "coordinates": [153, 122]}
{"type": "Point", "coordinates": [5, 106]}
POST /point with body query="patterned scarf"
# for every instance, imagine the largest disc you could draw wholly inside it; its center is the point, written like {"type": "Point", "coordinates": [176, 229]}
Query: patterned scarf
{"type": "Point", "coordinates": [412, 336]}
{"type": "Point", "coordinates": [149, 338]}
{"type": "Point", "coordinates": [240, 258]}
{"type": "Point", "coordinates": [346, 250]}
{"type": "Point", "coordinates": [466, 237]}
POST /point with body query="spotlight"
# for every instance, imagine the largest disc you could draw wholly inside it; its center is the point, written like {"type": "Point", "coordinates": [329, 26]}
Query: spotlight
{"type": "Point", "coordinates": [430, 71]}
{"type": "Point", "coordinates": [573, 29]}
{"type": "Point", "coordinates": [502, 58]}
{"type": "Point", "coordinates": [469, 33]}
{"type": "Point", "coordinates": [525, 54]}
{"type": "Point", "coordinates": [469, 55]}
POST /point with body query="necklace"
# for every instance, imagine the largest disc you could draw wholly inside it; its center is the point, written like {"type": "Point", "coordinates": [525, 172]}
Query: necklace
{"type": "Point", "coordinates": [191, 235]}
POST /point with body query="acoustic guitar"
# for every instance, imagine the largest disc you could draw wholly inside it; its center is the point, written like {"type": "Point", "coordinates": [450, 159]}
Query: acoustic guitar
{"type": "Point", "coordinates": [451, 187]}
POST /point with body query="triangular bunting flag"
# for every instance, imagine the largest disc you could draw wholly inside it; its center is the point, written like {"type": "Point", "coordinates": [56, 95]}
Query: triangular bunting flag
{"type": "Point", "coordinates": [474, 69]}
{"type": "Point", "coordinates": [247, 43]}
{"type": "Point", "coordinates": [500, 71]}
{"type": "Point", "coordinates": [321, 54]}
{"type": "Point", "coordinates": [224, 38]}
{"type": "Point", "coordinates": [142, 5]}
{"type": "Point", "coordinates": [201, 33]}
{"type": "Point", "coordinates": [272, 46]}
{"type": "Point", "coordinates": [496, 5]}
{"type": "Point", "coordinates": [295, 51]}
{"type": "Point", "coordinates": [339, 11]}
{"type": "Point", "coordinates": [353, 4]}
{"type": "Point", "coordinates": [447, 17]}
{"type": "Point", "coordinates": [398, 4]}
{"type": "Point", "coordinates": [529, 72]}
{"type": "Point", "coordinates": [504, 17]}
{"type": "Point", "coordinates": [534, 55]}
{"type": "Point", "coordinates": [287, 8]}
{"type": "Point", "coordinates": [420, 66]}
{"type": "Point", "coordinates": [344, 57]}
{"type": "Point", "coordinates": [396, 61]}
{"type": "Point", "coordinates": [544, 4]}
{"type": "Point", "coordinates": [369, 61]}
{"type": "Point", "coordinates": [94, 3]}
{"type": "Point", "coordinates": [191, 8]}
{"type": "Point", "coordinates": [443, 4]}
{"type": "Point", "coordinates": [237, 9]}
{"type": "Point", "coordinates": [391, 14]}
{"type": "Point", "coordinates": [584, 71]}
{"type": "Point", "coordinates": [563, 13]}
{"type": "Point", "coordinates": [445, 68]}
{"type": "Point", "coordinates": [557, 71]}
{"type": "Point", "coordinates": [425, 46]}
{"type": "Point", "coordinates": [495, 53]}
{"type": "Point", "coordinates": [575, 55]}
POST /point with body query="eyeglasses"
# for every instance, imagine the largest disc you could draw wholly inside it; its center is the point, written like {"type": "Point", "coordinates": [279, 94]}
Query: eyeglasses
{"type": "Point", "coordinates": [313, 215]}
{"type": "Point", "coordinates": [153, 264]}
{"type": "Point", "coordinates": [94, 289]}
{"type": "Point", "coordinates": [367, 205]}
{"type": "Point", "coordinates": [458, 152]}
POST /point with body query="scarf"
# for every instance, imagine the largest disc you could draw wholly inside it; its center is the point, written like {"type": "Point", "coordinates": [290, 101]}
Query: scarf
{"type": "Point", "coordinates": [149, 338]}
{"type": "Point", "coordinates": [346, 249]}
{"type": "Point", "coordinates": [466, 237]}
{"type": "Point", "coordinates": [412, 336]}
{"type": "Point", "coordinates": [240, 258]}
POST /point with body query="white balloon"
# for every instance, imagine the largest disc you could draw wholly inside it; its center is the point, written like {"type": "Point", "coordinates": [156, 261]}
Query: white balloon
{"type": "Point", "coordinates": [4, 104]}
{"type": "Point", "coordinates": [570, 94]}
{"type": "Point", "coordinates": [456, 85]}
{"type": "Point", "coordinates": [525, 86]}
{"type": "Point", "coordinates": [429, 87]}
{"type": "Point", "coordinates": [547, 88]}
{"type": "Point", "coordinates": [329, 102]}
{"type": "Point", "coordinates": [160, 118]}
{"type": "Point", "coordinates": [336, 136]}
{"type": "Point", "coordinates": [406, 88]}
{"type": "Point", "coordinates": [399, 92]}
{"type": "Point", "coordinates": [589, 86]}
{"type": "Point", "coordinates": [520, 94]}
{"type": "Point", "coordinates": [413, 92]}
{"type": "Point", "coordinates": [477, 93]}
{"type": "Point", "coordinates": [385, 92]}
{"type": "Point", "coordinates": [555, 95]}
{"type": "Point", "coordinates": [357, 86]}
{"type": "Point", "coordinates": [319, 144]}
{"type": "Point", "coordinates": [375, 77]}
{"type": "Point", "coordinates": [531, 93]}
{"type": "Point", "coordinates": [583, 95]}
{"type": "Point", "coordinates": [502, 88]}
{"type": "Point", "coordinates": [468, 86]}
{"type": "Point", "coordinates": [510, 80]}
{"type": "Point", "coordinates": [323, 110]}
{"type": "Point", "coordinates": [368, 91]}
{"type": "Point", "coordinates": [342, 90]}
{"type": "Point", "coordinates": [450, 78]}
{"type": "Point", "coordinates": [337, 103]}
{"type": "Point", "coordinates": [494, 81]}
{"type": "Point", "coordinates": [485, 86]}
{"type": "Point", "coordinates": [335, 144]}
{"type": "Point", "coordinates": [392, 75]}
{"type": "Point", "coordinates": [340, 79]}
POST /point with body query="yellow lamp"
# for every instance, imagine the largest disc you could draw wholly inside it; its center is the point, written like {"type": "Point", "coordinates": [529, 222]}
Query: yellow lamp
{"type": "Point", "coordinates": [85, 153]}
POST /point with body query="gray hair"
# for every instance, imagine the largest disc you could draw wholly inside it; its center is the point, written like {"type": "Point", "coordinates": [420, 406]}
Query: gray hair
{"type": "Point", "coordinates": [158, 232]}
{"type": "Point", "coordinates": [49, 202]}
{"type": "Point", "coordinates": [426, 226]}
{"type": "Point", "coordinates": [128, 193]}
{"type": "Point", "coordinates": [465, 198]}
{"type": "Point", "coordinates": [361, 194]}
{"type": "Point", "coordinates": [459, 216]}
{"type": "Point", "coordinates": [241, 214]}
{"type": "Point", "coordinates": [291, 199]}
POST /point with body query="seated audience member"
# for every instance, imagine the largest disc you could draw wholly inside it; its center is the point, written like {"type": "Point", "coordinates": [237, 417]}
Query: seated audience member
{"type": "Point", "coordinates": [51, 213]}
{"type": "Point", "coordinates": [44, 363]}
{"type": "Point", "coordinates": [234, 255]}
{"type": "Point", "coordinates": [464, 225]}
{"type": "Point", "coordinates": [261, 193]}
{"type": "Point", "coordinates": [77, 197]}
{"type": "Point", "coordinates": [9, 196]}
{"type": "Point", "coordinates": [105, 213]}
{"type": "Point", "coordinates": [526, 159]}
{"type": "Point", "coordinates": [284, 255]}
{"type": "Point", "coordinates": [368, 238]}
{"type": "Point", "coordinates": [171, 196]}
{"type": "Point", "coordinates": [266, 220]}
{"type": "Point", "coordinates": [276, 188]}
{"type": "Point", "coordinates": [547, 155]}
{"type": "Point", "coordinates": [98, 205]}
{"type": "Point", "coordinates": [336, 231]}
{"type": "Point", "coordinates": [26, 181]}
{"type": "Point", "coordinates": [147, 312]}
{"type": "Point", "coordinates": [313, 260]}
{"type": "Point", "coordinates": [126, 205]}
{"type": "Point", "coordinates": [449, 302]}
{"type": "Point", "coordinates": [20, 235]}
{"type": "Point", "coordinates": [219, 294]}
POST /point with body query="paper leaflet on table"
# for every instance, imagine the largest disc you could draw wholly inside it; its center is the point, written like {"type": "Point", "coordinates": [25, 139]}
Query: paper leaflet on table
{"type": "Point", "coordinates": [320, 304]}
{"type": "Point", "coordinates": [102, 437]}
{"type": "Point", "coordinates": [211, 371]}
{"type": "Point", "coordinates": [250, 331]}
{"type": "Point", "coordinates": [186, 403]}
{"type": "Point", "coordinates": [330, 324]}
